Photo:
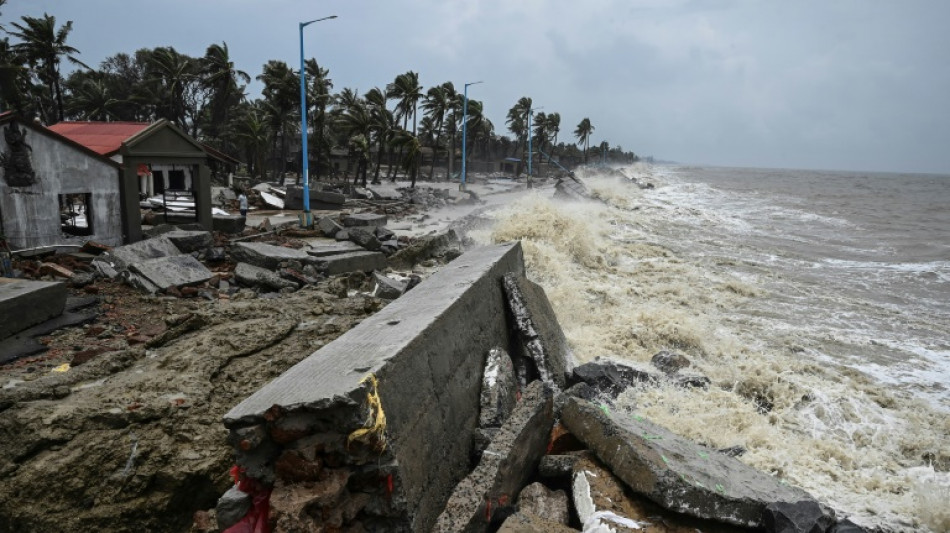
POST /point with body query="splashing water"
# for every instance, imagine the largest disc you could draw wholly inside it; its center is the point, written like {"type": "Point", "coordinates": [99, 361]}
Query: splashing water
{"type": "Point", "coordinates": [647, 270]}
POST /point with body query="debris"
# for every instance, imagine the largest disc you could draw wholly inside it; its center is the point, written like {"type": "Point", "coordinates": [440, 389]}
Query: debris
{"type": "Point", "coordinates": [388, 288]}
{"type": "Point", "coordinates": [538, 330]}
{"type": "Point", "coordinates": [255, 276]}
{"type": "Point", "coordinates": [364, 261]}
{"type": "Point", "coordinates": [799, 517]}
{"type": "Point", "coordinates": [176, 271]}
{"type": "Point", "coordinates": [364, 219]}
{"type": "Point", "coordinates": [267, 255]}
{"type": "Point", "coordinates": [543, 502]}
{"type": "Point", "coordinates": [364, 238]}
{"type": "Point", "coordinates": [669, 362]}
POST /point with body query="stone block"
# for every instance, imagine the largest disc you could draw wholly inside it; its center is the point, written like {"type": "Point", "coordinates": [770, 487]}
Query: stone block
{"type": "Point", "coordinates": [499, 389]}
{"type": "Point", "coordinates": [121, 257]}
{"type": "Point", "coordinates": [384, 234]}
{"type": "Point", "coordinates": [428, 382]}
{"type": "Point", "coordinates": [175, 271]}
{"type": "Point", "coordinates": [26, 303]}
{"type": "Point", "coordinates": [337, 248]}
{"type": "Point", "coordinates": [364, 261]}
{"type": "Point", "coordinates": [266, 255]}
{"type": "Point", "coordinates": [190, 241]}
{"type": "Point", "coordinates": [364, 219]}
{"type": "Point", "coordinates": [505, 466]}
{"type": "Point", "coordinates": [539, 332]}
{"type": "Point", "coordinates": [255, 276]}
{"type": "Point", "coordinates": [329, 227]}
{"type": "Point", "coordinates": [674, 472]}
{"type": "Point", "coordinates": [364, 237]}
{"type": "Point", "coordinates": [230, 224]}
{"type": "Point", "coordinates": [388, 288]}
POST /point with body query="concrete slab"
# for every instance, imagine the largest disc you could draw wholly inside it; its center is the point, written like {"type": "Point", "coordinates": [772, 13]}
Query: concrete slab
{"type": "Point", "coordinates": [255, 276]}
{"type": "Point", "coordinates": [506, 465]}
{"type": "Point", "coordinates": [123, 256]}
{"type": "Point", "coordinates": [26, 303]}
{"type": "Point", "coordinates": [364, 219]}
{"type": "Point", "coordinates": [539, 332]}
{"type": "Point", "coordinates": [176, 271]}
{"type": "Point", "coordinates": [228, 223]}
{"type": "Point", "coordinates": [326, 200]}
{"type": "Point", "coordinates": [190, 241]}
{"type": "Point", "coordinates": [674, 472]}
{"type": "Point", "coordinates": [267, 255]}
{"type": "Point", "coordinates": [364, 261]}
{"type": "Point", "coordinates": [388, 288]}
{"type": "Point", "coordinates": [426, 350]}
{"type": "Point", "coordinates": [499, 389]}
{"type": "Point", "coordinates": [329, 227]}
{"type": "Point", "coordinates": [320, 250]}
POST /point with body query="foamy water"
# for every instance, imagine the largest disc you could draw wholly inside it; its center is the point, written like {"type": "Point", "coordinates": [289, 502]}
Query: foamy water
{"type": "Point", "coordinates": [787, 295]}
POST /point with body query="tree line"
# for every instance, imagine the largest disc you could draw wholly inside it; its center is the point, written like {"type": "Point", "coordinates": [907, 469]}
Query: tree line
{"type": "Point", "coordinates": [206, 97]}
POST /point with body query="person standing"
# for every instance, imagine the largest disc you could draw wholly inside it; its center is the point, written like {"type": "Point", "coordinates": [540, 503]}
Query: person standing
{"type": "Point", "coordinates": [242, 203]}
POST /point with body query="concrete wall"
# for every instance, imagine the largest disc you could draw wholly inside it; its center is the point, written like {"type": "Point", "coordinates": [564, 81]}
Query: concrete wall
{"type": "Point", "coordinates": [428, 351]}
{"type": "Point", "coordinates": [31, 214]}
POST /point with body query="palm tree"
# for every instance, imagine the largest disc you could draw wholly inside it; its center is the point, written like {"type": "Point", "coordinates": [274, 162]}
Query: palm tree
{"type": "Point", "coordinates": [281, 93]}
{"type": "Point", "coordinates": [223, 83]}
{"type": "Point", "coordinates": [436, 105]}
{"type": "Point", "coordinates": [383, 125]}
{"type": "Point", "coordinates": [583, 131]}
{"type": "Point", "coordinates": [517, 122]}
{"type": "Point", "coordinates": [407, 91]}
{"type": "Point", "coordinates": [412, 153]}
{"type": "Point", "coordinates": [357, 123]}
{"type": "Point", "coordinates": [90, 97]}
{"type": "Point", "coordinates": [170, 75]}
{"type": "Point", "coordinates": [318, 98]}
{"type": "Point", "coordinates": [249, 129]}
{"type": "Point", "coordinates": [554, 127]}
{"type": "Point", "coordinates": [15, 86]}
{"type": "Point", "coordinates": [43, 46]}
{"type": "Point", "coordinates": [541, 134]}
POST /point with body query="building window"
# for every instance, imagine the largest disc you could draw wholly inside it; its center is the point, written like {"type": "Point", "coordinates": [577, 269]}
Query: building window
{"type": "Point", "coordinates": [75, 213]}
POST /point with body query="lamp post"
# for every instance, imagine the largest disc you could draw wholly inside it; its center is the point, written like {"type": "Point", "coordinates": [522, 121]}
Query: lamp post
{"type": "Point", "coordinates": [305, 166]}
{"type": "Point", "coordinates": [465, 129]}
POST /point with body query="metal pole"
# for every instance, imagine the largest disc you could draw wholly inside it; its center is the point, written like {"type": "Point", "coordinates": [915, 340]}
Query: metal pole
{"type": "Point", "coordinates": [305, 166]}
{"type": "Point", "coordinates": [465, 130]}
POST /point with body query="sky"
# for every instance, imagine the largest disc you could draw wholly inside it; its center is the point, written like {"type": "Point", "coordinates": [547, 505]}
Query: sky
{"type": "Point", "coordinates": [822, 84]}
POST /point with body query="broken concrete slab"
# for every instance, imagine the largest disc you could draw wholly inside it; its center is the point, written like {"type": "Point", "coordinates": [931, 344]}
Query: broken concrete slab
{"type": "Point", "coordinates": [364, 261]}
{"type": "Point", "coordinates": [499, 389]}
{"type": "Point", "coordinates": [505, 466]}
{"type": "Point", "coordinates": [543, 502]}
{"type": "Point", "coordinates": [806, 516]}
{"type": "Point", "coordinates": [175, 271]}
{"type": "Point", "coordinates": [77, 311]}
{"type": "Point", "coordinates": [364, 219]}
{"type": "Point", "coordinates": [319, 200]}
{"type": "Point", "coordinates": [320, 250]}
{"type": "Point", "coordinates": [539, 332]}
{"type": "Point", "coordinates": [364, 237]}
{"type": "Point", "coordinates": [267, 255]}
{"type": "Point", "coordinates": [329, 227]}
{"type": "Point", "coordinates": [26, 303]}
{"type": "Point", "coordinates": [228, 223]}
{"type": "Point", "coordinates": [674, 472]}
{"type": "Point", "coordinates": [428, 385]}
{"type": "Point", "coordinates": [190, 241]}
{"type": "Point", "coordinates": [384, 234]}
{"type": "Point", "coordinates": [118, 259]}
{"type": "Point", "coordinates": [438, 246]}
{"type": "Point", "coordinates": [255, 276]}
{"type": "Point", "coordinates": [387, 287]}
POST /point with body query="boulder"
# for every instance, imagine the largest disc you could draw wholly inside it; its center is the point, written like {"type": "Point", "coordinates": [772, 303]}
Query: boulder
{"type": "Point", "coordinates": [674, 472]}
{"type": "Point", "coordinates": [267, 255]}
{"type": "Point", "coordinates": [805, 516]}
{"type": "Point", "coordinates": [539, 332]}
{"type": "Point", "coordinates": [499, 389]}
{"type": "Point", "coordinates": [505, 467]}
{"type": "Point", "coordinates": [364, 219]}
{"type": "Point", "coordinates": [610, 378]}
{"type": "Point", "coordinates": [255, 276]}
{"type": "Point", "coordinates": [176, 271]}
{"type": "Point", "coordinates": [365, 238]}
{"type": "Point", "coordinates": [190, 241]}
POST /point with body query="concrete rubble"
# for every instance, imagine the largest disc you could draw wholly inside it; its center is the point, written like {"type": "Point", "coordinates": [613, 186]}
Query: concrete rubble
{"type": "Point", "coordinates": [540, 336]}
{"type": "Point", "coordinates": [26, 303]}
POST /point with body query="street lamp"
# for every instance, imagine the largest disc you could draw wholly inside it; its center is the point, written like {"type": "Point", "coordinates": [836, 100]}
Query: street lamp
{"type": "Point", "coordinates": [465, 129]}
{"type": "Point", "coordinates": [305, 167]}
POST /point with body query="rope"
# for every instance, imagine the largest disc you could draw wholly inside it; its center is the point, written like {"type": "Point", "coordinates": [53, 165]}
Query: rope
{"type": "Point", "coordinates": [373, 431]}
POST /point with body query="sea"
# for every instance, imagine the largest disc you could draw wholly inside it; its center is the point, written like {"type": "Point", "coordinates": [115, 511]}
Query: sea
{"type": "Point", "coordinates": [817, 302]}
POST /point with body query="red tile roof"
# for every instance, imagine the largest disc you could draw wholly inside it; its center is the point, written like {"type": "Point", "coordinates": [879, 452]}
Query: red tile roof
{"type": "Point", "coordinates": [102, 137]}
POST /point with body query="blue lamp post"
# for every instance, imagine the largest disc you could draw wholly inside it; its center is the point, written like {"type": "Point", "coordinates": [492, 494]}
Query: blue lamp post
{"type": "Point", "coordinates": [305, 167]}
{"type": "Point", "coordinates": [465, 129]}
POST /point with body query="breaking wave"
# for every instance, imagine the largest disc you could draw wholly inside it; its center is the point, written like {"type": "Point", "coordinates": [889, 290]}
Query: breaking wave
{"type": "Point", "coordinates": [642, 271]}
